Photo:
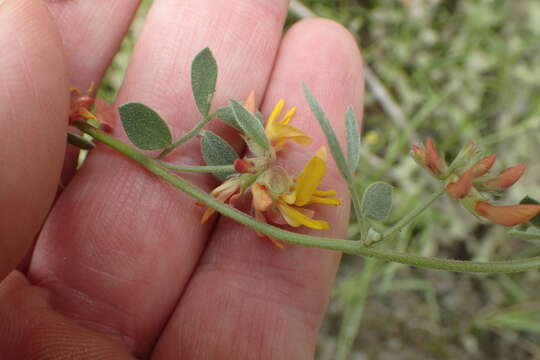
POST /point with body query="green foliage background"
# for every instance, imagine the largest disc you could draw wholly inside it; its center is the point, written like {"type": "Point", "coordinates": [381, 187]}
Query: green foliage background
{"type": "Point", "coordinates": [456, 70]}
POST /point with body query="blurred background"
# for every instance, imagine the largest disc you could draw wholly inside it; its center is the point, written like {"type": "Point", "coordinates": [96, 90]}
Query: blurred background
{"type": "Point", "coordinates": [456, 70]}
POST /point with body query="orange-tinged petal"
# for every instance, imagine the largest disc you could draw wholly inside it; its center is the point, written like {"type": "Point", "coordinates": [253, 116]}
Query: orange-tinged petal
{"type": "Point", "coordinates": [484, 165]}
{"type": "Point", "coordinates": [433, 160]}
{"type": "Point", "coordinates": [296, 218]}
{"type": "Point", "coordinates": [462, 187]}
{"type": "Point", "coordinates": [506, 178]}
{"type": "Point", "coordinates": [507, 215]}
{"type": "Point", "coordinates": [310, 177]}
{"type": "Point", "coordinates": [262, 200]}
{"type": "Point", "coordinates": [207, 214]}
{"type": "Point", "coordinates": [249, 103]}
{"type": "Point", "coordinates": [260, 216]}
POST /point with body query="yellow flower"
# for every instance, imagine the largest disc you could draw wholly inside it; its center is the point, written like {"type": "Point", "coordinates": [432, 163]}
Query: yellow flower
{"type": "Point", "coordinates": [278, 132]}
{"type": "Point", "coordinates": [306, 192]}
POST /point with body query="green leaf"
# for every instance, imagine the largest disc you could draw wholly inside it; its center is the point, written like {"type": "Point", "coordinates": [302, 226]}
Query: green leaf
{"type": "Point", "coordinates": [331, 138]}
{"type": "Point", "coordinates": [203, 80]}
{"type": "Point", "coordinates": [144, 127]}
{"type": "Point", "coordinates": [250, 124]}
{"type": "Point", "coordinates": [226, 115]}
{"type": "Point", "coordinates": [529, 200]}
{"type": "Point", "coordinates": [217, 151]}
{"type": "Point", "coordinates": [377, 201]}
{"type": "Point", "coordinates": [353, 139]}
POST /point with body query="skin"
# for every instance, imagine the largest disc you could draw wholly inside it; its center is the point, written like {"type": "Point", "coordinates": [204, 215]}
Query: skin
{"type": "Point", "coordinates": [118, 265]}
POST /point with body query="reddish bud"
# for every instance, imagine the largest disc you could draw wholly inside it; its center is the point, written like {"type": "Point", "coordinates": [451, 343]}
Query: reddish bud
{"type": "Point", "coordinates": [484, 165]}
{"type": "Point", "coordinates": [506, 178]}
{"type": "Point", "coordinates": [433, 160]}
{"type": "Point", "coordinates": [507, 215]}
{"type": "Point", "coordinates": [242, 166]}
{"type": "Point", "coordinates": [462, 187]}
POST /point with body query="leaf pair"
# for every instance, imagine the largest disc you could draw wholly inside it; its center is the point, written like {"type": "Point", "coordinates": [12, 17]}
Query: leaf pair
{"type": "Point", "coordinates": [147, 130]}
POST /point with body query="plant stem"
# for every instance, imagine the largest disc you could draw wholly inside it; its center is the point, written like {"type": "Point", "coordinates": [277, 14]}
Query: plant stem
{"type": "Point", "coordinates": [346, 246]}
{"type": "Point", "coordinates": [357, 206]}
{"type": "Point", "coordinates": [187, 136]}
{"type": "Point", "coordinates": [407, 219]}
{"type": "Point", "coordinates": [198, 169]}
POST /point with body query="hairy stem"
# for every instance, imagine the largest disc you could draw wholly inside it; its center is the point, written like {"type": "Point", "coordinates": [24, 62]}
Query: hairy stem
{"type": "Point", "coordinates": [198, 169]}
{"type": "Point", "coordinates": [346, 246]}
{"type": "Point", "coordinates": [187, 136]}
{"type": "Point", "coordinates": [406, 220]}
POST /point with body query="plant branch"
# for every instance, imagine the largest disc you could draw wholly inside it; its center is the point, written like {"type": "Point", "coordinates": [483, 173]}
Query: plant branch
{"type": "Point", "coordinates": [347, 246]}
{"type": "Point", "coordinates": [187, 136]}
{"type": "Point", "coordinates": [406, 220]}
{"type": "Point", "coordinates": [198, 169]}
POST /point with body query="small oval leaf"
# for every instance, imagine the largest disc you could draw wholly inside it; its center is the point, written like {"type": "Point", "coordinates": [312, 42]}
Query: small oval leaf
{"type": "Point", "coordinates": [203, 80]}
{"type": "Point", "coordinates": [353, 139]}
{"type": "Point", "coordinates": [529, 200]}
{"type": "Point", "coordinates": [250, 124]}
{"type": "Point", "coordinates": [217, 151]}
{"type": "Point", "coordinates": [144, 127]}
{"type": "Point", "coordinates": [226, 115]}
{"type": "Point", "coordinates": [377, 201]}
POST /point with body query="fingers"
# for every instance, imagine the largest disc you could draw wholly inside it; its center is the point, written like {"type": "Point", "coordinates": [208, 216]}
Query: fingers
{"type": "Point", "coordinates": [247, 298]}
{"type": "Point", "coordinates": [91, 32]}
{"type": "Point", "coordinates": [32, 329]}
{"type": "Point", "coordinates": [34, 106]}
{"type": "Point", "coordinates": [120, 244]}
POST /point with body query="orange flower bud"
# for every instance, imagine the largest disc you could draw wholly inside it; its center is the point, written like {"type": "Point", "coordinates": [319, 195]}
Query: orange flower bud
{"type": "Point", "coordinates": [507, 215]}
{"type": "Point", "coordinates": [242, 166]}
{"type": "Point", "coordinates": [432, 158]}
{"type": "Point", "coordinates": [506, 178]}
{"type": "Point", "coordinates": [484, 165]}
{"type": "Point", "coordinates": [462, 187]}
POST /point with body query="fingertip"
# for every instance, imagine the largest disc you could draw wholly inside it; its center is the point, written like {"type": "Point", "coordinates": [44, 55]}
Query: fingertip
{"type": "Point", "coordinates": [34, 108]}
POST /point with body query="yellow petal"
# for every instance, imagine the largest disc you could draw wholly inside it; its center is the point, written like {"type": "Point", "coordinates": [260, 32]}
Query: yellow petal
{"type": "Point", "coordinates": [325, 193]}
{"type": "Point", "coordinates": [310, 177]}
{"type": "Point", "coordinates": [289, 198]}
{"type": "Point", "coordinates": [279, 132]}
{"type": "Point", "coordinates": [275, 113]}
{"type": "Point", "coordinates": [288, 116]}
{"type": "Point", "coordinates": [296, 218]}
{"type": "Point", "coordinates": [325, 200]}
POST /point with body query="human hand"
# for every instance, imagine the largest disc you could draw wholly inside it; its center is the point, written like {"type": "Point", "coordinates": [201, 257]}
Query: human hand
{"type": "Point", "coordinates": [121, 266]}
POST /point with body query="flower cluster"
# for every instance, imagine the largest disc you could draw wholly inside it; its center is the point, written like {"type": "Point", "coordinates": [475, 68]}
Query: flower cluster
{"type": "Point", "coordinates": [81, 105]}
{"type": "Point", "coordinates": [468, 180]}
{"type": "Point", "coordinates": [277, 198]}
